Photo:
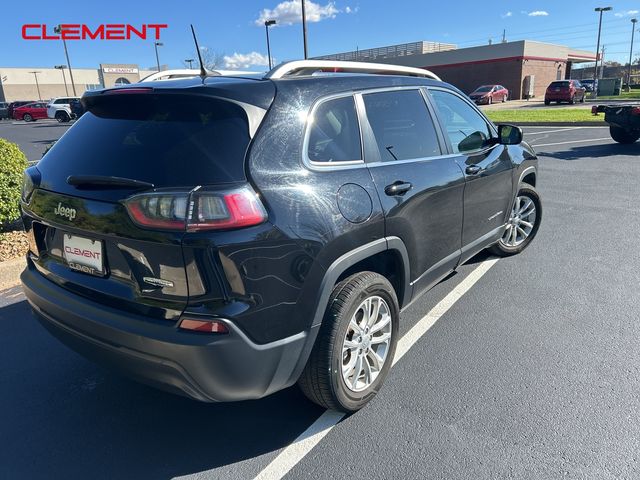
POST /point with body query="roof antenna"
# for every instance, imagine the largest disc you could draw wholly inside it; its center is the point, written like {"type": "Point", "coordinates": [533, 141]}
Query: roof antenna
{"type": "Point", "coordinates": [203, 72]}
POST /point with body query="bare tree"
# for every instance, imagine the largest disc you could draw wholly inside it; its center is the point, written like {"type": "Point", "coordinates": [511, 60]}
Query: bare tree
{"type": "Point", "coordinates": [212, 60]}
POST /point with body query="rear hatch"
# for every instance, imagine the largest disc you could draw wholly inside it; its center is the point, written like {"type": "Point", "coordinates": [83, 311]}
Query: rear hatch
{"type": "Point", "coordinates": [163, 144]}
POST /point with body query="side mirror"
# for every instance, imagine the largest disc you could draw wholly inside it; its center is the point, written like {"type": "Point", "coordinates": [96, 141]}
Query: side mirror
{"type": "Point", "coordinates": [509, 135]}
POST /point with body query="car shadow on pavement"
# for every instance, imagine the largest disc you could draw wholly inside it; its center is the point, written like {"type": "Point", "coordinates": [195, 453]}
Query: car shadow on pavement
{"type": "Point", "coordinates": [63, 417]}
{"type": "Point", "coordinates": [593, 151]}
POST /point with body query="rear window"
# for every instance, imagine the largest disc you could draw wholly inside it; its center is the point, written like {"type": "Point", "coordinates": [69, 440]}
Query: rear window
{"type": "Point", "coordinates": [167, 140]}
{"type": "Point", "coordinates": [559, 84]}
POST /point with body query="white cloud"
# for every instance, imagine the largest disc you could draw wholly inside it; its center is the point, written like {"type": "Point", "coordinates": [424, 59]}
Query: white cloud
{"type": "Point", "coordinates": [242, 61]}
{"type": "Point", "coordinates": [290, 12]}
{"type": "Point", "coordinates": [538, 13]}
{"type": "Point", "coordinates": [628, 13]}
{"type": "Point", "coordinates": [507, 15]}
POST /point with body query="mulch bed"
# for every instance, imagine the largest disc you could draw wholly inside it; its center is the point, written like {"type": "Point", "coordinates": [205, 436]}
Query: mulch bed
{"type": "Point", "coordinates": [13, 245]}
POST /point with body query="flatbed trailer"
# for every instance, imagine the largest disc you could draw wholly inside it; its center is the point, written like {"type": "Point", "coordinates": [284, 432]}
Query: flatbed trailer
{"type": "Point", "coordinates": [623, 120]}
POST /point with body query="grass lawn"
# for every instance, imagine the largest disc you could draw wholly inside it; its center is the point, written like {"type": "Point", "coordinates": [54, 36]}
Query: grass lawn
{"type": "Point", "coordinates": [632, 95]}
{"type": "Point", "coordinates": [525, 115]}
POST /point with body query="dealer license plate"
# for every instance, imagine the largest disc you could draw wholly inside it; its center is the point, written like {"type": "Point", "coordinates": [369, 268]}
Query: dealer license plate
{"type": "Point", "coordinates": [83, 254]}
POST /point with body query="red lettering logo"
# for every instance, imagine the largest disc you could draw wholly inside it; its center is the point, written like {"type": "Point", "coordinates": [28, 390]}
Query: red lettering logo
{"type": "Point", "coordinates": [82, 253]}
{"type": "Point", "coordinates": [80, 31]}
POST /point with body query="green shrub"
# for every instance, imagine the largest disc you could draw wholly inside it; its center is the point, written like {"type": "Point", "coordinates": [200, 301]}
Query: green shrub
{"type": "Point", "coordinates": [12, 164]}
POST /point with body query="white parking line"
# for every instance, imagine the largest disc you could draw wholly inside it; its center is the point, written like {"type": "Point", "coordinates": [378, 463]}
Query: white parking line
{"type": "Point", "coordinates": [572, 141]}
{"type": "Point", "coordinates": [555, 131]}
{"type": "Point", "coordinates": [291, 455]}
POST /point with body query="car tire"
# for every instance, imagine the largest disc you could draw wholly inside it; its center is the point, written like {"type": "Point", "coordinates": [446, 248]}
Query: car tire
{"type": "Point", "coordinates": [324, 379]}
{"type": "Point", "coordinates": [582, 99]}
{"type": "Point", "coordinates": [490, 100]}
{"type": "Point", "coordinates": [27, 117]}
{"type": "Point", "coordinates": [572, 100]}
{"type": "Point", "coordinates": [62, 117]}
{"type": "Point", "coordinates": [547, 102]}
{"type": "Point", "coordinates": [523, 223]}
{"type": "Point", "coordinates": [623, 136]}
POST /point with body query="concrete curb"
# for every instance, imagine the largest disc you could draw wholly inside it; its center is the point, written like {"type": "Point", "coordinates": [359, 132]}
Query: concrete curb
{"type": "Point", "coordinates": [10, 271]}
{"type": "Point", "coordinates": [560, 124]}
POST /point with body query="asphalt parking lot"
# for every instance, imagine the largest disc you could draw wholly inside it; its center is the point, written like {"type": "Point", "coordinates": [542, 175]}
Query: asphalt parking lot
{"type": "Point", "coordinates": [533, 371]}
{"type": "Point", "coordinates": [33, 138]}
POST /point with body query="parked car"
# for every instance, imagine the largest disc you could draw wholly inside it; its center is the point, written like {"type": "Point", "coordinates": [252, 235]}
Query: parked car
{"type": "Point", "coordinates": [13, 105]}
{"type": "Point", "coordinates": [4, 110]}
{"type": "Point", "coordinates": [488, 94]}
{"type": "Point", "coordinates": [60, 108]}
{"type": "Point", "coordinates": [589, 85]}
{"type": "Point", "coordinates": [31, 112]}
{"type": "Point", "coordinates": [570, 91]}
{"type": "Point", "coordinates": [218, 240]}
{"type": "Point", "coordinates": [623, 120]}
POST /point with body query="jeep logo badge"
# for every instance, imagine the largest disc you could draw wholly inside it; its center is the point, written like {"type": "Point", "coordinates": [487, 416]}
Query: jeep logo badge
{"type": "Point", "coordinates": [67, 212]}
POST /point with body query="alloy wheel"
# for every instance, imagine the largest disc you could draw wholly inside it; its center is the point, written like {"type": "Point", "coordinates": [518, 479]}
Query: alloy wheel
{"type": "Point", "coordinates": [521, 222]}
{"type": "Point", "coordinates": [366, 343]}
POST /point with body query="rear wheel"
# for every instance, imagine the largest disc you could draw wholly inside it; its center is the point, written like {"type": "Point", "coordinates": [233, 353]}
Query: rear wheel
{"type": "Point", "coordinates": [27, 117]}
{"type": "Point", "coordinates": [356, 343]}
{"type": "Point", "coordinates": [523, 223]}
{"type": "Point", "coordinates": [582, 99]}
{"type": "Point", "coordinates": [62, 117]}
{"type": "Point", "coordinates": [547, 102]}
{"type": "Point", "coordinates": [621, 135]}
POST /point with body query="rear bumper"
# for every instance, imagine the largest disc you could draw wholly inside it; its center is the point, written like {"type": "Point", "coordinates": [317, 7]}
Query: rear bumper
{"type": "Point", "coordinates": [204, 367]}
{"type": "Point", "coordinates": [557, 97]}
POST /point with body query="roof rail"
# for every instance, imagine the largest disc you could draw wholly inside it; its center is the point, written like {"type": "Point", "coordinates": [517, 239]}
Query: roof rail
{"type": "Point", "coordinates": [186, 73]}
{"type": "Point", "coordinates": [308, 67]}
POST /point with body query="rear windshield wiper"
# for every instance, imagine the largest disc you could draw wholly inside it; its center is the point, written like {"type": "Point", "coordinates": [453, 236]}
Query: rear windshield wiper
{"type": "Point", "coordinates": [104, 181]}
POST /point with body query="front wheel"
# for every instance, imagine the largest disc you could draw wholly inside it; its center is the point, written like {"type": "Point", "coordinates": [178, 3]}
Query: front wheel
{"type": "Point", "coordinates": [27, 117]}
{"type": "Point", "coordinates": [62, 117]}
{"type": "Point", "coordinates": [523, 224]}
{"type": "Point", "coordinates": [356, 343]}
{"type": "Point", "coordinates": [621, 135]}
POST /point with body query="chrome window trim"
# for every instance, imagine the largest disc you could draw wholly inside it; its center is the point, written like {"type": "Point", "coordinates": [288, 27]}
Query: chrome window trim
{"type": "Point", "coordinates": [343, 164]}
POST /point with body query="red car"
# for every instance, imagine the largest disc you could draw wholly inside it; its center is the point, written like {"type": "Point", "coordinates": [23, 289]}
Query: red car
{"type": "Point", "coordinates": [488, 94]}
{"type": "Point", "coordinates": [30, 112]}
{"type": "Point", "coordinates": [570, 91]}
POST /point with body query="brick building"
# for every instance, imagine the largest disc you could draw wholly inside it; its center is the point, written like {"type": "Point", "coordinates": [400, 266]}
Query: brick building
{"type": "Point", "coordinates": [503, 63]}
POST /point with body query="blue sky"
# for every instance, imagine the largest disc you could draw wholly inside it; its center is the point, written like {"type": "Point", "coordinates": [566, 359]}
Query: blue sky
{"type": "Point", "coordinates": [231, 28]}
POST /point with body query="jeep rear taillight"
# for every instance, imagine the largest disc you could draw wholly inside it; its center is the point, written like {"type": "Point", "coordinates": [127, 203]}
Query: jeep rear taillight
{"type": "Point", "coordinates": [201, 209]}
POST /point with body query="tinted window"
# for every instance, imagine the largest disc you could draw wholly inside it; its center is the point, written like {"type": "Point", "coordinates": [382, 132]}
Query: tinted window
{"type": "Point", "coordinates": [59, 101]}
{"type": "Point", "coordinates": [167, 140]}
{"type": "Point", "coordinates": [334, 134]}
{"type": "Point", "coordinates": [402, 125]}
{"type": "Point", "coordinates": [559, 84]}
{"type": "Point", "coordinates": [466, 128]}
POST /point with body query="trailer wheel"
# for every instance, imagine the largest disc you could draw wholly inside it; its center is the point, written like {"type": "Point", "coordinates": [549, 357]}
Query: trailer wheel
{"type": "Point", "coordinates": [623, 136]}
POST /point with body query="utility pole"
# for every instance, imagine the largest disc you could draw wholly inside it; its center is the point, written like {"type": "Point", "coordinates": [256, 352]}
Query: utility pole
{"type": "Point", "coordinates": [633, 31]}
{"type": "Point", "coordinates": [64, 78]}
{"type": "Point", "coordinates": [595, 70]}
{"type": "Point", "coordinates": [602, 63]}
{"type": "Point", "coordinates": [304, 30]}
{"type": "Point", "coordinates": [504, 36]}
{"type": "Point", "coordinates": [157, 44]}
{"type": "Point", "coordinates": [58, 30]}
{"type": "Point", "coordinates": [189, 61]}
{"type": "Point", "coordinates": [267, 24]}
{"type": "Point", "coordinates": [35, 74]}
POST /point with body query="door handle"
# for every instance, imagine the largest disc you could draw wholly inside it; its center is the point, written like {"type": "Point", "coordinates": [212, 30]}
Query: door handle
{"type": "Point", "coordinates": [397, 188]}
{"type": "Point", "coordinates": [473, 170]}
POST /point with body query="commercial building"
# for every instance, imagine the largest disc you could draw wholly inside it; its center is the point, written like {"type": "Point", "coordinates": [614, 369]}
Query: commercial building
{"type": "Point", "coordinates": [46, 83]}
{"type": "Point", "coordinates": [515, 65]}
{"type": "Point", "coordinates": [390, 52]}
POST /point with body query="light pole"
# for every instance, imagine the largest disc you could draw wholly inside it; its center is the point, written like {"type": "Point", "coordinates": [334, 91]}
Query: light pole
{"type": "Point", "coordinates": [157, 44]}
{"type": "Point", "coordinates": [633, 31]}
{"type": "Point", "coordinates": [35, 74]}
{"type": "Point", "coordinates": [64, 78]}
{"type": "Point", "coordinates": [58, 30]}
{"type": "Point", "coordinates": [267, 24]}
{"type": "Point", "coordinates": [595, 70]}
{"type": "Point", "coordinates": [304, 30]}
{"type": "Point", "coordinates": [189, 61]}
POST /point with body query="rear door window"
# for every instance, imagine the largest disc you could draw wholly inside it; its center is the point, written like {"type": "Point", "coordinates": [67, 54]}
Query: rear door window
{"type": "Point", "coordinates": [334, 132]}
{"type": "Point", "coordinates": [402, 125]}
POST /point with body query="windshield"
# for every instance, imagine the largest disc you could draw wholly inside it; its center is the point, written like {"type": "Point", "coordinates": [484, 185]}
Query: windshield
{"type": "Point", "coordinates": [484, 88]}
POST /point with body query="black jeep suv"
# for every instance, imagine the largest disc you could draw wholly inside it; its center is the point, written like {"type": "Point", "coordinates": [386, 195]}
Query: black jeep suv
{"type": "Point", "coordinates": [226, 237]}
